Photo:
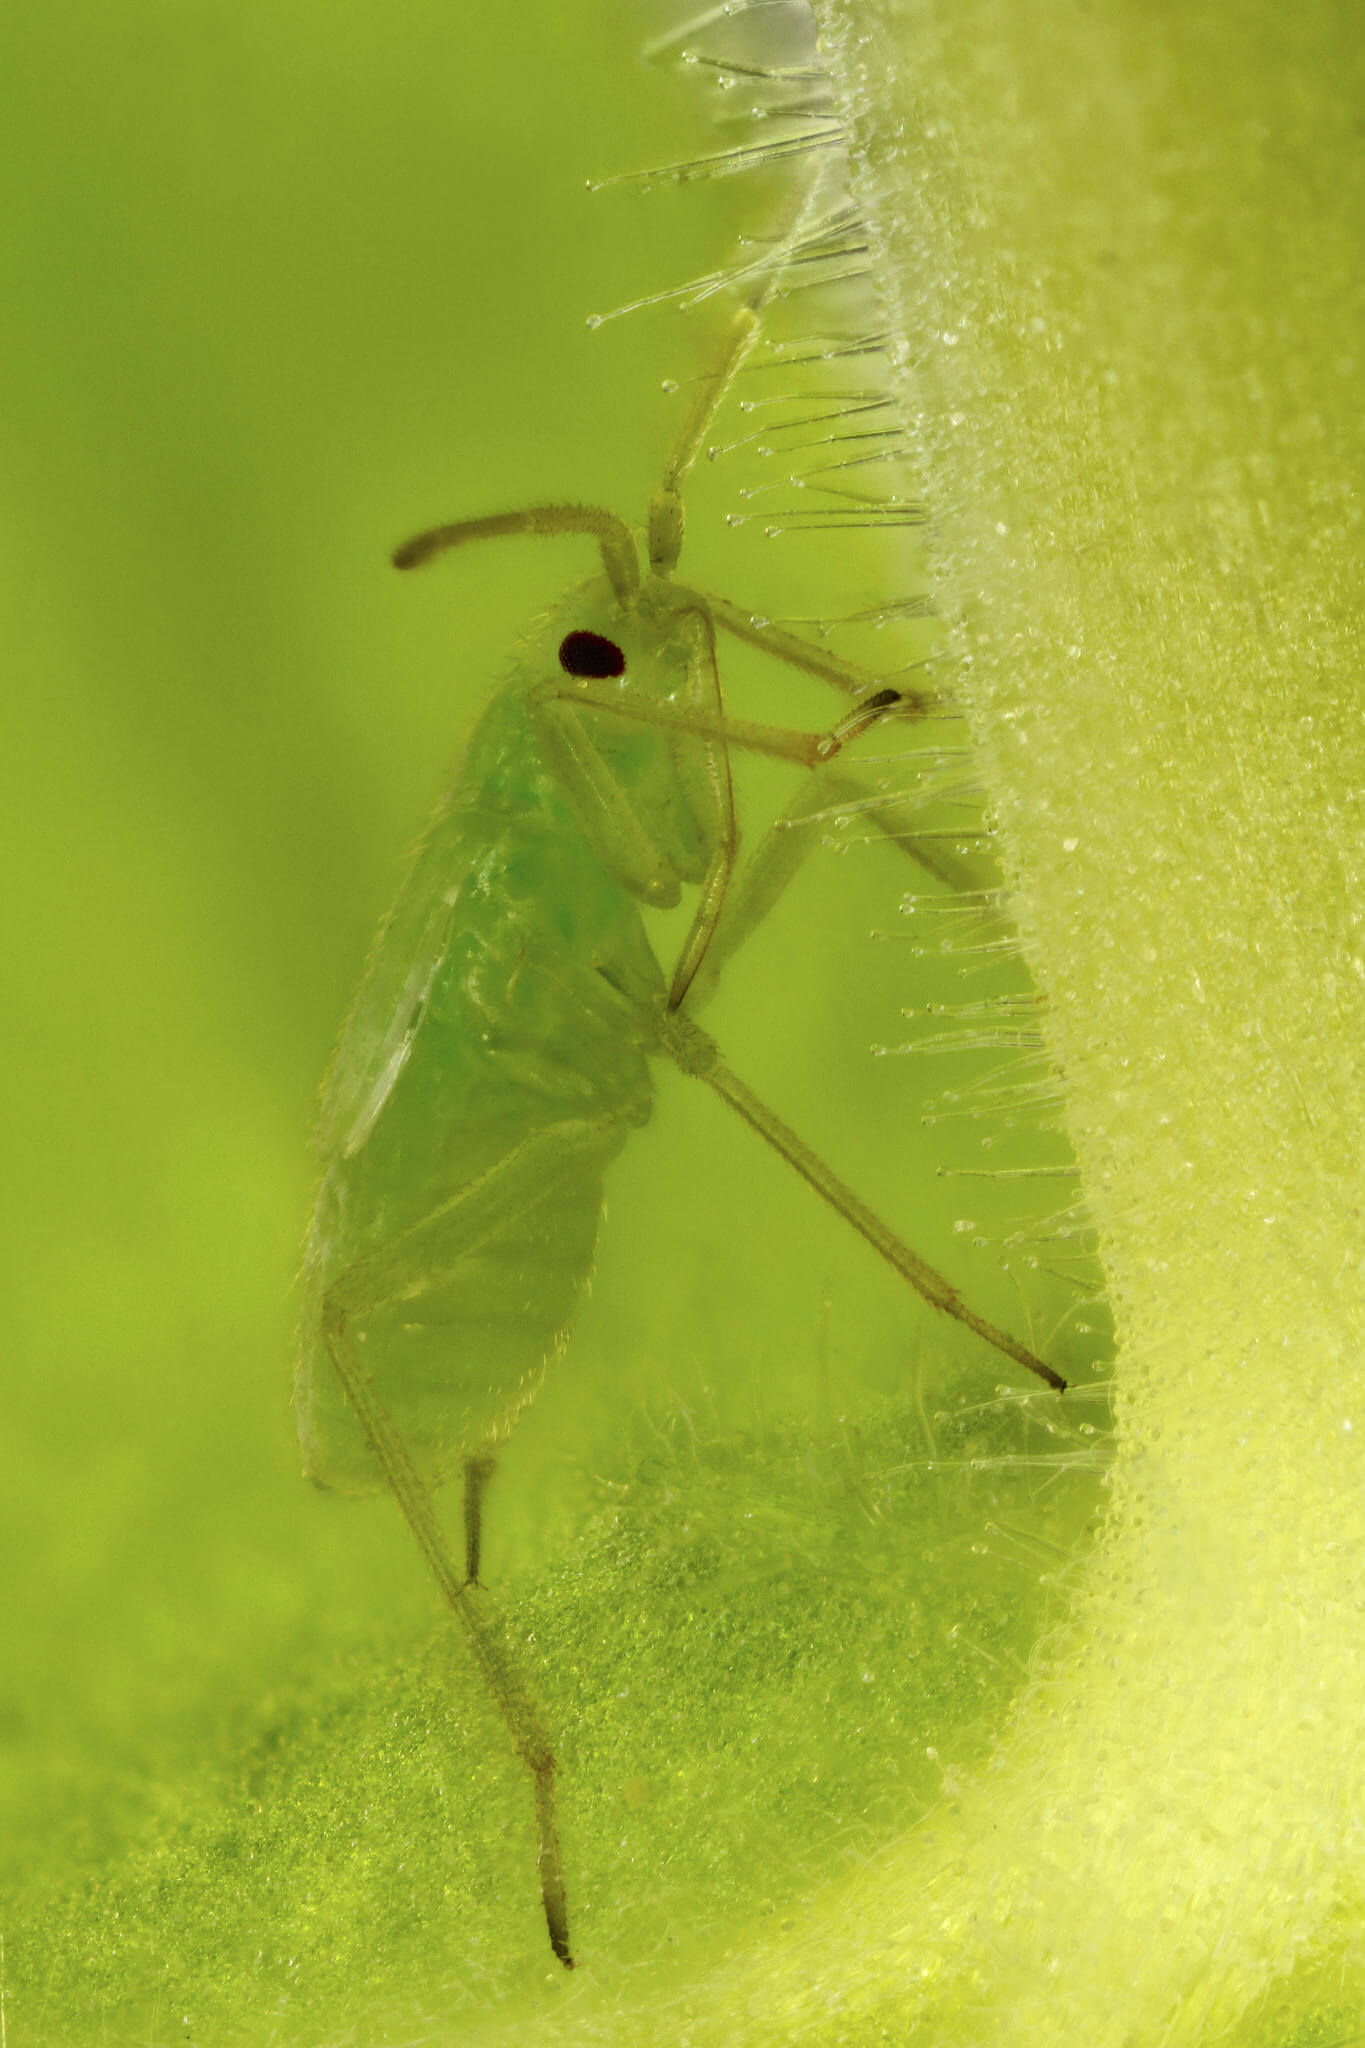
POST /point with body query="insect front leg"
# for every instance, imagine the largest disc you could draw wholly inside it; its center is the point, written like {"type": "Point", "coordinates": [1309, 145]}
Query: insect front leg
{"type": "Point", "coordinates": [610, 817]}
{"type": "Point", "coordinates": [608, 812]}
{"type": "Point", "coordinates": [777, 859]}
{"type": "Point", "coordinates": [848, 676]}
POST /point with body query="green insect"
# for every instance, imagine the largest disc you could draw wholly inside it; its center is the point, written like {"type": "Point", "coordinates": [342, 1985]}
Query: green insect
{"type": "Point", "coordinates": [498, 1055]}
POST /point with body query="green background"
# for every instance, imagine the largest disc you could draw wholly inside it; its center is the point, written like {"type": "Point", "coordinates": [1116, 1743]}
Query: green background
{"type": "Point", "coordinates": [281, 285]}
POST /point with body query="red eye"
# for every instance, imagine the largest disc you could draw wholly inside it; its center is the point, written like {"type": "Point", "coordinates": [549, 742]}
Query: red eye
{"type": "Point", "coordinates": [589, 654]}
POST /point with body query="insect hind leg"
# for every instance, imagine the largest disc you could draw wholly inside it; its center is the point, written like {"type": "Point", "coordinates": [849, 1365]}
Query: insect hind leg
{"type": "Point", "coordinates": [470, 1606]}
{"type": "Point", "coordinates": [551, 1162]}
{"type": "Point", "coordinates": [477, 1473]}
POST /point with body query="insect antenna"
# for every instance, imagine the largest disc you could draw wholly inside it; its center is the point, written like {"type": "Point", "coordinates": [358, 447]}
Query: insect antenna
{"type": "Point", "coordinates": [666, 511]}
{"type": "Point", "coordinates": [665, 528]}
{"type": "Point", "coordinates": [612, 534]}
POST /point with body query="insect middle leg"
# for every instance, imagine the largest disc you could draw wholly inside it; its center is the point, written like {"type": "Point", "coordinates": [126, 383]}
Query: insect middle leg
{"type": "Point", "coordinates": [849, 676]}
{"type": "Point", "coordinates": [619, 836]}
{"type": "Point", "coordinates": [697, 1054]}
{"type": "Point", "coordinates": [771, 869]}
{"type": "Point", "coordinates": [773, 865]}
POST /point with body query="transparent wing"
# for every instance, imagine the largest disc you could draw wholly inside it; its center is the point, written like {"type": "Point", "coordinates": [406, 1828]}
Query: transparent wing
{"type": "Point", "coordinates": [408, 954]}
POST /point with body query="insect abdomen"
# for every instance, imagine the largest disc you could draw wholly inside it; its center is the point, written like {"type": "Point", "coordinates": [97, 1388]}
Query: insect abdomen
{"type": "Point", "coordinates": [456, 1224]}
{"type": "Point", "coordinates": [454, 1362]}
